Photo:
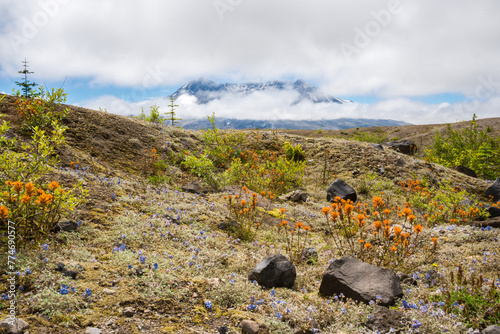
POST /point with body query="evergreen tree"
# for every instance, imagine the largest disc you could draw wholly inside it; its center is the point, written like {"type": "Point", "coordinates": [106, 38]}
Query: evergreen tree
{"type": "Point", "coordinates": [26, 85]}
{"type": "Point", "coordinates": [171, 114]}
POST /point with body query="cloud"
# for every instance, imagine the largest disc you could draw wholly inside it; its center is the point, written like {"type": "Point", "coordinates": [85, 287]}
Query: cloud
{"type": "Point", "coordinates": [398, 48]}
{"type": "Point", "coordinates": [273, 105]}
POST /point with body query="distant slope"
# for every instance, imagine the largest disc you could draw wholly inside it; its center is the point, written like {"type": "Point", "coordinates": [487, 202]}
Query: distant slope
{"type": "Point", "coordinates": [332, 124]}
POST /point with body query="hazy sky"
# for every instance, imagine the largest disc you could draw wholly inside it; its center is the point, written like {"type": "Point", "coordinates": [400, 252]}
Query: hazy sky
{"type": "Point", "coordinates": [418, 61]}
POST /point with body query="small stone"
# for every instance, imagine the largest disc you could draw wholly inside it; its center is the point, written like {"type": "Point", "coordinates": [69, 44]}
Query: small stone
{"type": "Point", "coordinates": [92, 330]}
{"type": "Point", "coordinates": [213, 282]}
{"type": "Point", "coordinates": [108, 291]}
{"type": "Point", "coordinates": [14, 326]}
{"type": "Point", "coordinates": [249, 327]}
{"type": "Point", "coordinates": [129, 311]}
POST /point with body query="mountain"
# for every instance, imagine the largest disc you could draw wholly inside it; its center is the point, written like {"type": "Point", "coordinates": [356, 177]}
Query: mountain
{"type": "Point", "coordinates": [332, 124]}
{"type": "Point", "coordinates": [206, 90]}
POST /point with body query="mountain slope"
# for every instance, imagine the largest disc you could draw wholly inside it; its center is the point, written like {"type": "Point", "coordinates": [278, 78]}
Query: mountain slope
{"type": "Point", "coordinates": [206, 90]}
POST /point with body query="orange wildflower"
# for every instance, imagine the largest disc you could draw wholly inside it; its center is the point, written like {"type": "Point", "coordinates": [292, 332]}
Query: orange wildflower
{"type": "Point", "coordinates": [30, 188]}
{"type": "Point", "coordinates": [334, 215]}
{"type": "Point", "coordinates": [377, 224]}
{"type": "Point", "coordinates": [397, 231]}
{"type": "Point", "coordinates": [411, 218]}
{"type": "Point", "coordinates": [243, 202]}
{"type": "Point", "coordinates": [307, 228]}
{"type": "Point", "coordinates": [53, 185]}
{"type": "Point", "coordinates": [407, 211]}
{"type": "Point", "coordinates": [325, 210]}
{"type": "Point", "coordinates": [284, 223]}
{"type": "Point", "coordinates": [393, 248]}
{"type": "Point", "coordinates": [26, 198]}
{"type": "Point", "coordinates": [282, 210]}
{"type": "Point", "coordinates": [368, 245]}
{"type": "Point", "coordinates": [18, 186]}
{"type": "Point", "coordinates": [377, 202]}
{"type": "Point", "coordinates": [435, 241]}
{"type": "Point", "coordinates": [44, 199]}
{"type": "Point", "coordinates": [418, 228]}
{"type": "Point", "coordinates": [4, 212]}
{"type": "Point", "coordinates": [299, 225]}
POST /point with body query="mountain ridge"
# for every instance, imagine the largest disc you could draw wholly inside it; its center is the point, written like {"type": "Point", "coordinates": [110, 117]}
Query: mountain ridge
{"type": "Point", "coordinates": [206, 90]}
{"type": "Point", "coordinates": [324, 124]}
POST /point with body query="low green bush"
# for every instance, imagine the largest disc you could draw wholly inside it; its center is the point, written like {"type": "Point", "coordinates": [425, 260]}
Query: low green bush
{"type": "Point", "coordinates": [470, 147]}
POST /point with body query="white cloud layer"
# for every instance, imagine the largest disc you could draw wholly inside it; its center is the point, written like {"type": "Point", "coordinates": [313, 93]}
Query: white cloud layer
{"type": "Point", "coordinates": [270, 106]}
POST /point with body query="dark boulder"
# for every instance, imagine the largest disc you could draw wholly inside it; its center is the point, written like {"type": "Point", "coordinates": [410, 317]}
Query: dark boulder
{"type": "Point", "coordinates": [361, 281]}
{"type": "Point", "coordinates": [493, 211]}
{"type": "Point", "coordinates": [341, 189]}
{"type": "Point", "coordinates": [493, 191]}
{"type": "Point", "coordinates": [491, 222]}
{"type": "Point", "coordinates": [192, 187]}
{"type": "Point", "coordinates": [66, 226]}
{"type": "Point", "coordinates": [404, 146]}
{"type": "Point", "coordinates": [296, 196]}
{"type": "Point", "coordinates": [274, 271]}
{"type": "Point", "coordinates": [465, 170]}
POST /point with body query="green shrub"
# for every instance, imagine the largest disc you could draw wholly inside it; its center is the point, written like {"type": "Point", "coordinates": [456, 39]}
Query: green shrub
{"type": "Point", "coordinates": [33, 206]}
{"type": "Point", "coordinates": [154, 114]}
{"type": "Point", "coordinates": [202, 167]}
{"type": "Point", "coordinates": [222, 148]}
{"type": "Point", "coordinates": [377, 137]}
{"type": "Point", "coordinates": [294, 153]}
{"type": "Point", "coordinates": [40, 109]}
{"type": "Point", "coordinates": [264, 171]}
{"type": "Point", "coordinates": [441, 204]}
{"type": "Point", "coordinates": [469, 147]}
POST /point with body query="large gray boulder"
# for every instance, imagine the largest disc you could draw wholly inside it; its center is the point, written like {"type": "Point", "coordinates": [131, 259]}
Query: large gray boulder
{"type": "Point", "coordinates": [341, 189]}
{"type": "Point", "coordinates": [361, 281]}
{"type": "Point", "coordinates": [493, 191]}
{"type": "Point", "coordinates": [493, 329]}
{"type": "Point", "coordinates": [13, 325]}
{"type": "Point", "coordinates": [274, 271]}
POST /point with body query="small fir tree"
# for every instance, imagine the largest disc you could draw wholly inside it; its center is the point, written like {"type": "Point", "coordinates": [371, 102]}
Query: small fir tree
{"type": "Point", "coordinates": [26, 85]}
{"type": "Point", "coordinates": [171, 114]}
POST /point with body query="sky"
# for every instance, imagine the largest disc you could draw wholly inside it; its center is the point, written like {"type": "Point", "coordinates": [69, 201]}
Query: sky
{"type": "Point", "coordinates": [419, 61]}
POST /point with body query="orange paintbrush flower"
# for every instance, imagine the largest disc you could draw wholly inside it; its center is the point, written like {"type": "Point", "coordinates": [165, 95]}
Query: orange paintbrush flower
{"type": "Point", "coordinates": [4, 212]}
{"type": "Point", "coordinates": [418, 228]}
